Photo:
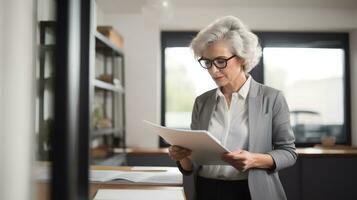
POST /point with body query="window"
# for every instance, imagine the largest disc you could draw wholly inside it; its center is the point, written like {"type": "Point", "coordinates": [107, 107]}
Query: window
{"type": "Point", "coordinates": [313, 87]}
{"type": "Point", "coordinates": [185, 80]}
{"type": "Point", "coordinates": [311, 69]}
{"type": "Point", "coordinates": [181, 84]}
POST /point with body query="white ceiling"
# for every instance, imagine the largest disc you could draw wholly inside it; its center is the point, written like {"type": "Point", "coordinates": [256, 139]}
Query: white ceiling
{"type": "Point", "coordinates": [135, 6]}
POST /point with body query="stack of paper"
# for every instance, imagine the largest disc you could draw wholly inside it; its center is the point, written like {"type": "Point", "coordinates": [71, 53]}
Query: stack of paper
{"type": "Point", "coordinates": [138, 194]}
{"type": "Point", "coordinates": [171, 175]}
{"type": "Point", "coordinates": [206, 149]}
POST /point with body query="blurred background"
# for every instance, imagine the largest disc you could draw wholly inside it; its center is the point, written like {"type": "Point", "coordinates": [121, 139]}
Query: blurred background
{"type": "Point", "coordinates": [100, 67]}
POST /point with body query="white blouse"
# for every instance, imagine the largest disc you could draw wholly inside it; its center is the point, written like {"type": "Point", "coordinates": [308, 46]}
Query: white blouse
{"type": "Point", "coordinates": [230, 126]}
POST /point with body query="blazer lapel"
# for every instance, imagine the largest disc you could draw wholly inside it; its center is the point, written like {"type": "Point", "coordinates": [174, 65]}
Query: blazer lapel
{"type": "Point", "coordinates": [253, 113]}
{"type": "Point", "coordinates": [207, 111]}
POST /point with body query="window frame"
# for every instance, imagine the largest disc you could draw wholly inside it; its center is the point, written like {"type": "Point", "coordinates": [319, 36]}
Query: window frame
{"type": "Point", "coordinates": [272, 39]}
{"type": "Point", "coordinates": [316, 40]}
{"type": "Point", "coordinates": [170, 39]}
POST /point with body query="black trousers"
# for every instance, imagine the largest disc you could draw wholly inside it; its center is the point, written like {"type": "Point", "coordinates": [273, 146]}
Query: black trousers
{"type": "Point", "coordinates": [214, 189]}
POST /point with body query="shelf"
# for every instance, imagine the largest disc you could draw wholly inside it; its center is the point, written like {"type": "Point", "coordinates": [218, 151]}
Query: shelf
{"type": "Point", "coordinates": [51, 24]}
{"type": "Point", "coordinates": [108, 91]}
{"type": "Point", "coordinates": [48, 47]}
{"type": "Point", "coordinates": [107, 86]}
{"type": "Point", "coordinates": [104, 131]}
{"type": "Point", "coordinates": [110, 159]}
{"type": "Point", "coordinates": [48, 80]}
{"type": "Point", "coordinates": [45, 85]}
{"type": "Point", "coordinates": [102, 42]}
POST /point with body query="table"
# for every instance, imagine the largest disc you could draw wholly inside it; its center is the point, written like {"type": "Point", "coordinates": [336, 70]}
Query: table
{"type": "Point", "coordinates": [43, 188]}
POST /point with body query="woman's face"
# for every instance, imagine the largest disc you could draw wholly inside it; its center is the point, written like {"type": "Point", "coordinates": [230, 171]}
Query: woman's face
{"type": "Point", "coordinates": [231, 72]}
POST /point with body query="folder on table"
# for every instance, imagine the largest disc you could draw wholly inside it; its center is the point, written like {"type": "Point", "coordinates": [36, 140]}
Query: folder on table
{"type": "Point", "coordinates": [139, 175]}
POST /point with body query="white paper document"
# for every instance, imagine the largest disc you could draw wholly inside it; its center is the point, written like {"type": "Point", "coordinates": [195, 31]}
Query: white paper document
{"type": "Point", "coordinates": [206, 149]}
{"type": "Point", "coordinates": [139, 194]}
{"type": "Point", "coordinates": [171, 175]}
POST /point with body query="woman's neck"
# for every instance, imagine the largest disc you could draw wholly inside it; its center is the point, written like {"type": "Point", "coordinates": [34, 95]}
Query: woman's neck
{"type": "Point", "coordinates": [235, 85]}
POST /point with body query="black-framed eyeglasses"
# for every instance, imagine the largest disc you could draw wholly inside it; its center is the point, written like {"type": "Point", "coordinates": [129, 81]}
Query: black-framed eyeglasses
{"type": "Point", "coordinates": [219, 62]}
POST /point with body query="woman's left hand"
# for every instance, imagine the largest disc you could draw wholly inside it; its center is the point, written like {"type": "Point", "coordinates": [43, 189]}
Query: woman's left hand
{"type": "Point", "coordinates": [240, 159]}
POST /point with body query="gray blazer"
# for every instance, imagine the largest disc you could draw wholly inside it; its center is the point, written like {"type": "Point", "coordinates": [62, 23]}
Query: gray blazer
{"type": "Point", "coordinates": [269, 132]}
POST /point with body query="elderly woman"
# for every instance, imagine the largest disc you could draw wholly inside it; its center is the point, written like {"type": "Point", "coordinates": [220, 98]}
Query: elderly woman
{"type": "Point", "coordinates": [248, 118]}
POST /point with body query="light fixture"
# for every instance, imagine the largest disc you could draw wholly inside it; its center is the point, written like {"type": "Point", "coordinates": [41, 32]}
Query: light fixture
{"type": "Point", "coordinates": [160, 11]}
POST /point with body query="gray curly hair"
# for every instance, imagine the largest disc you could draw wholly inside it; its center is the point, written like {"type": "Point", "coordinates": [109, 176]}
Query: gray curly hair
{"type": "Point", "coordinates": [242, 41]}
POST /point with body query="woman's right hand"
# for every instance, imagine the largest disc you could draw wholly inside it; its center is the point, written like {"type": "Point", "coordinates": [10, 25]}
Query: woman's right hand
{"type": "Point", "coordinates": [178, 153]}
{"type": "Point", "coordinates": [181, 154]}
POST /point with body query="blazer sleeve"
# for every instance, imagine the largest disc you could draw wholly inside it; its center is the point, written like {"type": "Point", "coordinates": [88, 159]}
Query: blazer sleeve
{"type": "Point", "coordinates": [194, 126]}
{"type": "Point", "coordinates": [195, 116]}
{"type": "Point", "coordinates": [283, 140]}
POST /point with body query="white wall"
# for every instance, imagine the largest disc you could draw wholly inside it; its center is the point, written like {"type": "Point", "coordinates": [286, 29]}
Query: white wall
{"type": "Point", "coordinates": [17, 98]}
{"type": "Point", "coordinates": [142, 74]}
{"type": "Point", "coordinates": [267, 18]}
{"type": "Point", "coordinates": [99, 14]}
{"type": "Point", "coordinates": [353, 54]}
{"type": "Point", "coordinates": [46, 10]}
{"type": "Point", "coordinates": [142, 49]}
{"type": "Point", "coordinates": [2, 186]}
